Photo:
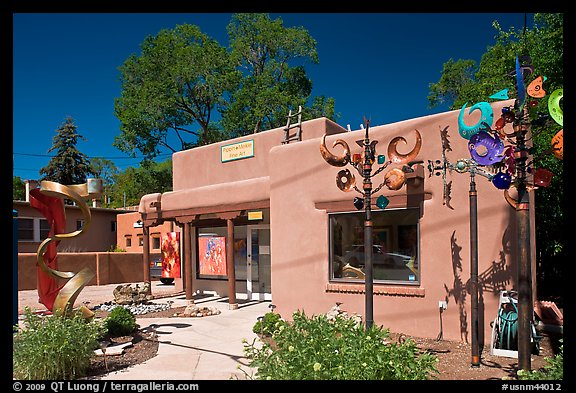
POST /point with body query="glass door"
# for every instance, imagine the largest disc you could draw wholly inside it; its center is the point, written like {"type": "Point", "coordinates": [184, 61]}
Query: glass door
{"type": "Point", "coordinates": [258, 259]}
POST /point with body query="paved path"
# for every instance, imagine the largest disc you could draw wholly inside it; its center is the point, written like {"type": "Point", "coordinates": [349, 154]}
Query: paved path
{"type": "Point", "coordinates": [206, 348]}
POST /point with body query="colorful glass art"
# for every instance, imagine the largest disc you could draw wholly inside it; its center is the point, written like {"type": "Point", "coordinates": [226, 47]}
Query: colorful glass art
{"type": "Point", "coordinates": [485, 149]}
{"type": "Point", "coordinates": [486, 119]}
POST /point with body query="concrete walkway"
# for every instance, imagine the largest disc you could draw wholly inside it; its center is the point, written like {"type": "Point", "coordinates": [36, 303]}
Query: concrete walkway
{"type": "Point", "coordinates": [198, 348]}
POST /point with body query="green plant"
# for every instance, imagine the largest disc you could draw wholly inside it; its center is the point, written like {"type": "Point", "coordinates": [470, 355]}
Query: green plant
{"type": "Point", "coordinates": [54, 347]}
{"type": "Point", "coordinates": [341, 349]}
{"type": "Point", "coordinates": [115, 248]}
{"type": "Point", "coordinates": [267, 324]}
{"type": "Point", "coordinates": [554, 370]}
{"type": "Point", "coordinates": [120, 322]}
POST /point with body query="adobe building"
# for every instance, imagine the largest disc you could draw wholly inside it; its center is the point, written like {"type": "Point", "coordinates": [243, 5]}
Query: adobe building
{"type": "Point", "coordinates": [262, 218]}
{"type": "Point", "coordinates": [33, 227]}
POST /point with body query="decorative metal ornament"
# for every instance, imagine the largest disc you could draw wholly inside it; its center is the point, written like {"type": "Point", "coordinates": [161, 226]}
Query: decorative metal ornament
{"type": "Point", "coordinates": [501, 95]}
{"type": "Point", "coordinates": [558, 145]}
{"type": "Point", "coordinates": [520, 87]}
{"type": "Point", "coordinates": [394, 179]}
{"type": "Point", "coordinates": [502, 180]}
{"type": "Point", "coordinates": [485, 149]}
{"type": "Point", "coordinates": [398, 158]}
{"type": "Point", "coordinates": [486, 119]}
{"type": "Point", "coordinates": [332, 159]}
{"type": "Point", "coordinates": [345, 180]}
{"type": "Point", "coordinates": [382, 202]}
{"type": "Point", "coordinates": [554, 106]}
{"type": "Point", "coordinates": [535, 88]}
{"type": "Point", "coordinates": [542, 177]}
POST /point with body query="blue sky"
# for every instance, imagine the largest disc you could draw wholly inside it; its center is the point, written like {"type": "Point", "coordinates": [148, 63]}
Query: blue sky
{"type": "Point", "coordinates": [377, 65]}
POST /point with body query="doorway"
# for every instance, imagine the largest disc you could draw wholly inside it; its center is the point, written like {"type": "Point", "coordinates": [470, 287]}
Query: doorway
{"type": "Point", "coordinates": [258, 283]}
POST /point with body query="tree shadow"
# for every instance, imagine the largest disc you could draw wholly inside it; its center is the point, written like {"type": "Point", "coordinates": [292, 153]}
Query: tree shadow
{"type": "Point", "coordinates": [458, 291]}
{"type": "Point", "coordinates": [492, 280]}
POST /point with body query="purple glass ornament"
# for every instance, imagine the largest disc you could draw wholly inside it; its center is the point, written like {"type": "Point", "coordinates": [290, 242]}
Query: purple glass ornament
{"type": "Point", "coordinates": [502, 180]}
{"type": "Point", "coordinates": [485, 149]}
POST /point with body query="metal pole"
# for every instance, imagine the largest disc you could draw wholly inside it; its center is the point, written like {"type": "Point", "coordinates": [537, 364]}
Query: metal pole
{"type": "Point", "coordinates": [14, 267]}
{"type": "Point", "coordinates": [525, 307]}
{"type": "Point", "coordinates": [366, 173]}
{"type": "Point", "coordinates": [474, 267]}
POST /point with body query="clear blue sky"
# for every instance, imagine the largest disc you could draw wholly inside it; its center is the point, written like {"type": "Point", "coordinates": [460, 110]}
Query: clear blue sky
{"type": "Point", "coordinates": [377, 65]}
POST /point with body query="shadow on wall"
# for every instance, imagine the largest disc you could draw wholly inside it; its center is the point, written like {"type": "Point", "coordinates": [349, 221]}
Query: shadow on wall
{"type": "Point", "coordinates": [458, 291]}
{"type": "Point", "coordinates": [493, 280]}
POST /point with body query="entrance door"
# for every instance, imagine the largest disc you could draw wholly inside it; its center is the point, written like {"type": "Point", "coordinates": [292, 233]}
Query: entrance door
{"type": "Point", "coordinates": [258, 258]}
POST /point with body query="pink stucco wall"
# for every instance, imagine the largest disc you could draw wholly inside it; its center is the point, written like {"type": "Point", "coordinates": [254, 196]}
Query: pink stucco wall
{"type": "Point", "coordinates": [300, 179]}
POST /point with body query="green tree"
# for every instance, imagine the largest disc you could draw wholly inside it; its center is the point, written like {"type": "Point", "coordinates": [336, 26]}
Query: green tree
{"type": "Point", "coordinates": [267, 53]}
{"type": "Point", "coordinates": [104, 169]}
{"type": "Point", "coordinates": [177, 82]}
{"type": "Point", "coordinates": [134, 183]}
{"type": "Point", "coordinates": [18, 189]}
{"type": "Point", "coordinates": [68, 166]}
{"type": "Point", "coordinates": [185, 87]}
{"type": "Point", "coordinates": [464, 81]}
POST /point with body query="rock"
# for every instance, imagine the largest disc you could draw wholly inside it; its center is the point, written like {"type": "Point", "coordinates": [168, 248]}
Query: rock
{"type": "Point", "coordinates": [126, 294]}
{"type": "Point", "coordinates": [192, 310]}
{"type": "Point", "coordinates": [113, 350]}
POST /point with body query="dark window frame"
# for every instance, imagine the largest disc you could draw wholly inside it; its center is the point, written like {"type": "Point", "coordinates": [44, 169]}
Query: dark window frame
{"type": "Point", "coordinates": [395, 231]}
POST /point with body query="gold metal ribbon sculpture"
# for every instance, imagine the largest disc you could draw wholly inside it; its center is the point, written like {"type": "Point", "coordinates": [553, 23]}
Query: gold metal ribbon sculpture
{"type": "Point", "coordinates": [67, 295]}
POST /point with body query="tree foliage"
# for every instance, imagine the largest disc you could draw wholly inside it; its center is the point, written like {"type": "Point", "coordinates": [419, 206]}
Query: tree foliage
{"type": "Point", "coordinates": [463, 81]}
{"type": "Point", "coordinates": [176, 83]}
{"type": "Point", "coordinates": [68, 166]}
{"type": "Point", "coordinates": [129, 186]}
{"type": "Point", "coordinates": [265, 50]}
{"type": "Point", "coordinates": [185, 89]}
{"type": "Point", "coordinates": [18, 189]}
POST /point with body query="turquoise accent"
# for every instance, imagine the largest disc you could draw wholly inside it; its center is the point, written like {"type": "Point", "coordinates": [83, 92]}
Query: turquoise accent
{"type": "Point", "coordinates": [382, 202]}
{"type": "Point", "coordinates": [487, 117]}
{"type": "Point", "coordinates": [501, 95]}
{"type": "Point", "coordinates": [381, 159]}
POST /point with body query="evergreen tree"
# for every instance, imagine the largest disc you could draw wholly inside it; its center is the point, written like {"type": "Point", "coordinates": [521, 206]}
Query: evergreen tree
{"type": "Point", "coordinates": [68, 166]}
{"type": "Point", "coordinates": [18, 189]}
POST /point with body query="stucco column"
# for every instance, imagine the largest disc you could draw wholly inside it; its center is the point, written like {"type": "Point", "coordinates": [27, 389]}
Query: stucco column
{"type": "Point", "coordinates": [146, 254]}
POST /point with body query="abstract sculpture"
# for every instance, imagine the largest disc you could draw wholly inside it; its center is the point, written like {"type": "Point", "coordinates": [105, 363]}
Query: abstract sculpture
{"type": "Point", "coordinates": [49, 200]}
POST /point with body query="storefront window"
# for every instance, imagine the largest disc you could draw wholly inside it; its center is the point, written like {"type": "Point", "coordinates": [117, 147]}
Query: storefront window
{"type": "Point", "coordinates": [395, 253]}
{"type": "Point", "coordinates": [212, 251]}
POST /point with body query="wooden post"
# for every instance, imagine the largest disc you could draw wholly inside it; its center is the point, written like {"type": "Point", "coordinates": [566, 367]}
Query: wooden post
{"type": "Point", "coordinates": [189, 250]}
{"type": "Point", "coordinates": [231, 272]}
{"type": "Point", "coordinates": [232, 303]}
{"type": "Point", "coordinates": [146, 254]}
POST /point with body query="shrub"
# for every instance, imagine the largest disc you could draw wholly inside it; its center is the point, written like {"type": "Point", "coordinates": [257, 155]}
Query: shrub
{"type": "Point", "coordinates": [342, 349]}
{"type": "Point", "coordinates": [270, 322]}
{"type": "Point", "coordinates": [54, 347]}
{"type": "Point", "coordinates": [120, 322]}
{"type": "Point", "coordinates": [554, 370]}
